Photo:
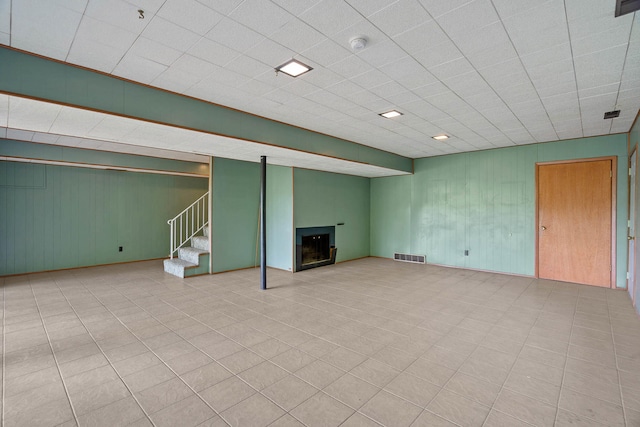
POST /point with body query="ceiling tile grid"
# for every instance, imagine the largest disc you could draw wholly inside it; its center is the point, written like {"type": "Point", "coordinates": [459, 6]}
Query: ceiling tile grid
{"type": "Point", "coordinates": [491, 73]}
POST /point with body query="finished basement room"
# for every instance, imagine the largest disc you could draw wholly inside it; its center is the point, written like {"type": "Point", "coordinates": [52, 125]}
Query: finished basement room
{"type": "Point", "coordinates": [319, 213]}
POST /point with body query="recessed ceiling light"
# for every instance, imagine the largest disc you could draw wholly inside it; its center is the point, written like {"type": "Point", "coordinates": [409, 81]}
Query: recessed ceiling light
{"type": "Point", "coordinates": [390, 114]}
{"type": "Point", "coordinates": [440, 137]}
{"type": "Point", "coordinates": [293, 68]}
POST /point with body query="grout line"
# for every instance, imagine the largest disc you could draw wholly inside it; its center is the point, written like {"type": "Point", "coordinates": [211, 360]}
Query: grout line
{"type": "Point", "coordinates": [105, 356]}
{"type": "Point", "coordinates": [615, 355]}
{"type": "Point", "coordinates": [53, 353]}
{"type": "Point", "coordinates": [534, 283]}
{"type": "Point", "coordinates": [112, 287]}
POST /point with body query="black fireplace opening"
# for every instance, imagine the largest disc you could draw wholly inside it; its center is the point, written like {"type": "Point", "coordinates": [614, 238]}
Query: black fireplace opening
{"type": "Point", "coordinates": [316, 248]}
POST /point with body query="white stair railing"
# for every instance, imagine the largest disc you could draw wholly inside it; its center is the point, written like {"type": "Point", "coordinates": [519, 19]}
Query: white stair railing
{"type": "Point", "coordinates": [188, 223]}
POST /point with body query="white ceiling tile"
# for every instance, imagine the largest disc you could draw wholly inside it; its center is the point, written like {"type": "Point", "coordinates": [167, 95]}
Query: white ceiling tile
{"type": "Point", "coordinates": [4, 111]}
{"type": "Point", "coordinates": [369, 7]}
{"type": "Point", "coordinates": [295, 7]}
{"type": "Point", "coordinates": [467, 18]}
{"type": "Point", "coordinates": [450, 69]}
{"type": "Point", "coordinates": [224, 7]}
{"type": "Point", "coordinates": [538, 28]}
{"type": "Point", "coordinates": [387, 89]}
{"type": "Point", "coordinates": [43, 27]}
{"type": "Point", "coordinates": [175, 80]}
{"type": "Point", "coordinates": [383, 53]}
{"type": "Point", "coordinates": [331, 17]}
{"type": "Point", "coordinates": [234, 35]}
{"type": "Point", "coordinates": [74, 121]}
{"type": "Point", "coordinates": [19, 134]}
{"type": "Point", "coordinates": [121, 13]}
{"type": "Point", "coordinates": [400, 16]}
{"type": "Point", "coordinates": [297, 36]}
{"type": "Point", "coordinates": [270, 52]}
{"type": "Point", "coordinates": [600, 68]}
{"type": "Point", "coordinates": [139, 69]}
{"type": "Point", "coordinates": [495, 55]}
{"type": "Point", "coordinates": [5, 17]}
{"type": "Point", "coordinates": [421, 38]}
{"type": "Point", "coordinates": [92, 54]}
{"type": "Point", "coordinates": [601, 40]}
{"type": "Point", "coordinates": [467, 84]}
{"type": "Point", "coordinates": [45, 138]}
{"type": "Point", "coordinates": [190, 14]}
{"type": "Point", "coordinates": [194, 66]}
{"type": "Point", "coordinates": [437, 8]}
{"type": "Point", "coordinates": [262, 16]}
{"type": "Point", "coordinates": [154, 51]}
{"type": "Point", "coordinates": [586, 10]}
{"type": "Point", "coordinates": [434, 55]}
{"type": "Point", "coordinates": [213, 52]}
{"type": "Point", "coordinates": [507, 8]}
{"type": "Point", "coordinates": [32, 115]}
{"type": "Point", "coordinates": [169, 34]}
{"type": "Point", "coordinates": [350, 67]}
{"type": "Point", "coordinates": [250, 67]}
{"type": "Point", "coordinates": [327, 52]}
{"type": "Point", "coordinates": [551, 54]}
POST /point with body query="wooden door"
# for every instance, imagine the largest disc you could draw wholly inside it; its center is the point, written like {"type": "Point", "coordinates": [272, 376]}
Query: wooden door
{"type": "Point", "coordinates": [575, 222]}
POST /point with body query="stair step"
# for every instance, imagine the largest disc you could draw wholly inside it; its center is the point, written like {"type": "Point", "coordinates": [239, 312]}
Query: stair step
{"type": "Point", "coordinates": [200, 242]}
{"type": "Point", "coordinates": [176, 266]}
{"type": "Point", "coordinates": [191, 254]}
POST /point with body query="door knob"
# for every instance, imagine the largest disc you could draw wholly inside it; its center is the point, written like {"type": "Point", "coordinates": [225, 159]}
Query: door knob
{"type": "Point", "coordinates": [543, 228]}
{"type": "Point", "coordinates": [631, 238]}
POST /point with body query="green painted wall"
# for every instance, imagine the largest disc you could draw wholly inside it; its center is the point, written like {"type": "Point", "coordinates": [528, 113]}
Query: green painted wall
{"type": "Point", "coordinates": [54, 217]}
{"type": "Point", "coordinates": [24, 74]}
{"type": "Point", "coordinates": [481, 201]}
{"type": "Point", "coordinates": [234, 227]}
{"type": "Point", "coordinates": [31, 150]}
{"type": "Point", "coordinates": [323, 199]}
{"type": "Point", "coordinates": [280, 217]}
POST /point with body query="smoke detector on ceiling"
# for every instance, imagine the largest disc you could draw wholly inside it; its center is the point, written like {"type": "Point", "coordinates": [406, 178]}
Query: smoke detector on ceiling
{"type": "Point", "coordinates": [358, 43]}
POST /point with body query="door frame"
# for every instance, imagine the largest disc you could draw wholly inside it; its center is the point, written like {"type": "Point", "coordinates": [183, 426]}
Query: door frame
{"type": "Point", "coordinates": [629, 260]}
{"type": "Point", "coordinates": [614, 169]}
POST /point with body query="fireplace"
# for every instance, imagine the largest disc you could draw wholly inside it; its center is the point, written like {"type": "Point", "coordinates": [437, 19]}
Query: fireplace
{"type": "Point", "coordinates": [315, 247]}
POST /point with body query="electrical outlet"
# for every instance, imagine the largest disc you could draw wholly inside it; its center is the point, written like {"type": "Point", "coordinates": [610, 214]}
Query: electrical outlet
{"type": "Point", "coordinates": [466, 252]}
{"type": "Point", "coordinates": [119, 248]}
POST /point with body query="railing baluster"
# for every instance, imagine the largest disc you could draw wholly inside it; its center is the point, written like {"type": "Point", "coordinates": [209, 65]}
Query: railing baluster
{"type": "Point", "coordinates": [190, 221]}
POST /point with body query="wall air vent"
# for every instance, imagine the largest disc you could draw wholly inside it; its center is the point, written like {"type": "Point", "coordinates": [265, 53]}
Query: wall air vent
{"type": "Point", "coordinates": [626, 6]}
{"type": "Point", "coordinates": [418, 259]}
{"type": "Point", "coordinates": [612, 114]}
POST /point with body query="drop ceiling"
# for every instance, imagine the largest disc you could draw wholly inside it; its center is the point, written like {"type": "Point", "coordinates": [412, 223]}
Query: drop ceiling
{"type": "Point", "coordinates": [48, 123]}
{"type": "Point", "coordinates": [488, 73]}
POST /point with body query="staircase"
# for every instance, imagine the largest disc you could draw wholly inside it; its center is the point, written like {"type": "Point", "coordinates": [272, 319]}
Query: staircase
{"type": "Point", "coordinates": [191, 261]}
{"type": "Point", "coordinates": [185, 227]}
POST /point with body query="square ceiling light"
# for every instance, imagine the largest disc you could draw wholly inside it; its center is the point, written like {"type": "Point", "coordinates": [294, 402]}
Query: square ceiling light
{"type": "Point", "coordinates": [440, 137]}
{"type": "Point", "coordinates": [390, 114]}
{"type": "Point", "coordinates": [293, 68]}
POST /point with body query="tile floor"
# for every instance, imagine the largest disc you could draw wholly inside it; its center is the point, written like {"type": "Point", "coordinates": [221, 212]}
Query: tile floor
{"type": "Point", "coordinates": [362, 343]}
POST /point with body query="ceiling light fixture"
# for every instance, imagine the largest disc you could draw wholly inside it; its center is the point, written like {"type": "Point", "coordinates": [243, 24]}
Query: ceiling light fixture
{"type": "Point", "coordinates": [440, 137]}
{"type": "Point", "coordinates": [390, 114]}
{"type": "Point", "coordinates": [293, 68]}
